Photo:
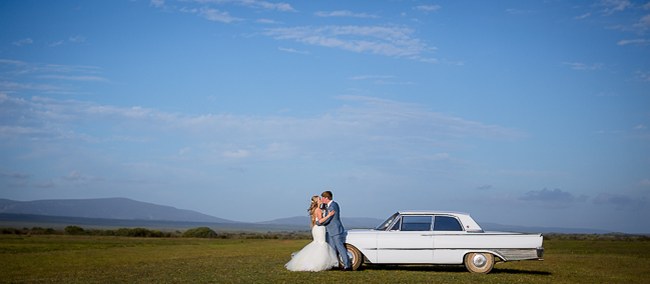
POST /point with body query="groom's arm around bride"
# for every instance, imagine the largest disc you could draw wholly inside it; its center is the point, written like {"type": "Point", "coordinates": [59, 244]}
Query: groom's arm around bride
{"type": "Point", "coordinates": [335, 229]}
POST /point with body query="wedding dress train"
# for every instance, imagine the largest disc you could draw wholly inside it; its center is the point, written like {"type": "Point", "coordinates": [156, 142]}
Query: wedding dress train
{"type": "Point", "coordinates": [315, 256]}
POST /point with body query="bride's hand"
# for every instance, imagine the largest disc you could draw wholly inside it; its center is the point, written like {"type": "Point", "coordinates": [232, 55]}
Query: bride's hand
{"type": "Point", "coordinates": [331, 213]}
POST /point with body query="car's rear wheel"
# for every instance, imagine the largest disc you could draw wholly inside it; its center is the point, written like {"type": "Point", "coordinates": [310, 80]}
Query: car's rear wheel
{"type": "Point", "coordinates": [479, 262]}
{"type": "Point", "coordinates": [356, 258]}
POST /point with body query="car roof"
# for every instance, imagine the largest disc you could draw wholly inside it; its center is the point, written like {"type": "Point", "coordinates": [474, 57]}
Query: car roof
{"type": "Point", "coordinates": [430, 212]}
{"type": "Point", "coordinates": [467, 221]}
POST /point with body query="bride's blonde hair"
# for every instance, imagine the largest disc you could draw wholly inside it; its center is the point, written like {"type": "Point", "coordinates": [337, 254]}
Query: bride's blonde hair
{"type": "Point", "coordinates": [313, 206]}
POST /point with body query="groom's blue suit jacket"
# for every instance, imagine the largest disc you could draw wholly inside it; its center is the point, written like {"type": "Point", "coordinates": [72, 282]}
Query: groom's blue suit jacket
{"type": "Point", "coordinates": [333, 224]}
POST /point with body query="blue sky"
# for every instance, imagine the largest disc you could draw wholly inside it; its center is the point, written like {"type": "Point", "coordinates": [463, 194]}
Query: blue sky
{"type": "Point", "coordinates": [518, 112]}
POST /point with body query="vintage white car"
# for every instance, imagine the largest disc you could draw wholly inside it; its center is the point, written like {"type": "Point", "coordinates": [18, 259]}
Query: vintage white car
{"type": "Point", "coordinates": [434, 237]}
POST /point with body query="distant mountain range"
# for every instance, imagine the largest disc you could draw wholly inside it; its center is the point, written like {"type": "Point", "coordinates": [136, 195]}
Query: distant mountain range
{"type": "Point", "coordinates": [348, 222]}
{"type": "Point", "coordinates": [130, 213]}
{"type": "Point", "coordinates": [105, 208]}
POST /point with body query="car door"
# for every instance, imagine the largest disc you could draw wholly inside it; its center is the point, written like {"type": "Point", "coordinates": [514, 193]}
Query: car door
{"type": "Point", "coordinates": [449, 240]}
{"type": "Point", "coordinates": [410, 240]}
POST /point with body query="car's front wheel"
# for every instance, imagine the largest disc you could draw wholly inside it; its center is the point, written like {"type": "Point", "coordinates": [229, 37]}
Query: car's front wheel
{"type": "Point", "coordinates": [479, 262]}
{"type": "Point", "coordinates": [356, 258]}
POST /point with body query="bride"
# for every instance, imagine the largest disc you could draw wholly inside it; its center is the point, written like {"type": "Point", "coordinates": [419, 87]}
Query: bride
{"type": "Point", "coordinates": [317, 255]}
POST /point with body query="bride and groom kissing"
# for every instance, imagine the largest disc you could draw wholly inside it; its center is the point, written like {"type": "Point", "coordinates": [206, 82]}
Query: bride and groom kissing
{"type": "Point", "coordinates": [326, 223]}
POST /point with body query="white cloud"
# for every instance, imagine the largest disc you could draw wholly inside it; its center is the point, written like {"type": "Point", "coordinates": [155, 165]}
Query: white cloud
{"type": "Point", "coordinates": [24, 76]}
{"type": "Point", "coordinates": [381, 80]}
{"type": "Point", "coordinates": [371, 77]}
{"type": "Point", "coordinates": [22, 42]}
{"type": "Point", "coordinates": [282, 7]}
{"type": "Point", "coordinates": [427, 8]}
{"type": "Point", "coordinates": [237, 154]}
{"type": "Point", "coordinates": [75, 78]}
{"type": "Point", "coordinates": [613, 6]}
{"type": "Point", "coordinates": [157, 3]}
{"type": "Point", "coordinates": [77, 39]}
{"type": "Point", "coordinates": [583, 16]}
{"type": "Point", "coordinates": [642, 76]}
{"type": "Point", "coordinates": [638, 41]}
{"type": "Point", "coordinates": [392, 126]}
{"type": "Point", "coordinates": [344, 13]}
{"type": "Point", "coordinates": [56, 43]}
{"type": "Point", "coordinates": [11, 87]}
{"type": "Point", "coordinates": [291, 50]}
{"type": "Point", "coordinates": [267, 21]}
{"type": "Point", "coordinates": [382, 40]}
{"type": "Point", "coordinates": [513, 11]}
{"type": "Point", "coordinates": [584, 66]}
{"type": "Point", "coordinates": [217, 16]}
{"type": "Point", "coordinates": [643, 23]}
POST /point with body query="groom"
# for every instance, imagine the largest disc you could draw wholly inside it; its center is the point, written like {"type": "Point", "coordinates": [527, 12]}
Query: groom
{"type": "Point", "coordinates": [335, 231]}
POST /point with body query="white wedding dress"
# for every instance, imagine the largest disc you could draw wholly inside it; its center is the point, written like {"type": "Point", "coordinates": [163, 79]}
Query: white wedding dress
{"type": "Point", "coordinates": [315, 256]}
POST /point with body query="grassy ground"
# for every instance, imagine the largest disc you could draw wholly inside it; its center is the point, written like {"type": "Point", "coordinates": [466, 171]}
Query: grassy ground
{"type": "Point", "coordinates": [87, 259]}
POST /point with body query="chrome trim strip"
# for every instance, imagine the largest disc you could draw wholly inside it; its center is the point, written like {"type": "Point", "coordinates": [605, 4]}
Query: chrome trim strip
{"type": "Point", "coordinates": [532, 249]}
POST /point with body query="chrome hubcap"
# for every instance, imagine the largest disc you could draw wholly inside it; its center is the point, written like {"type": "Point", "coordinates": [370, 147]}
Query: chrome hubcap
{"type": "Point", "coordinates": [479, 260]}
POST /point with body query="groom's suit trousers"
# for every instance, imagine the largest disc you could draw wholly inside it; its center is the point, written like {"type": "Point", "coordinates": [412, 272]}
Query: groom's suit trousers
{"type": "Point", "coordinates": [336, 234]}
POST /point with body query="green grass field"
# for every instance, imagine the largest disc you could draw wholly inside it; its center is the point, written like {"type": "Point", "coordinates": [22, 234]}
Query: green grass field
{"type": "Point", "coordinates": [90, 259]}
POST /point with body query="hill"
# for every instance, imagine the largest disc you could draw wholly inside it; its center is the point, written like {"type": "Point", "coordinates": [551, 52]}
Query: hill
{"type": "Point", "coordinates": [348, 222]}
{"type": "Point", "coordinates": [105, 208]}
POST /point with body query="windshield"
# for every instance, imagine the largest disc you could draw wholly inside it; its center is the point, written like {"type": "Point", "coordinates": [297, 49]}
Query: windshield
{"type": "Point", "coordinates": [384, 225]}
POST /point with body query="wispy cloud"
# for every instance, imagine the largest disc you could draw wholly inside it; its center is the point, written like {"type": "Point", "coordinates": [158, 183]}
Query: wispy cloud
{"type": "Point", "coordinates": [620, 202]}
{"type": "Point", "coordinates": [279, 6]}
{"type": "Point", "coordinates": [484, 187]}
{"type": "Point", "coordinates": [393, 127]}
{"type": "Point", "coordinates": [75, 78]}
{"type": "Point", "coordinates": [45, 78]}
{"type": "Point", "coordinates": [215, 15]}
{"type": "Point", "coordinates": [645, 182]}
{"type": "Point", "coordinates": [584, 66]}
{"type": "Point", "coordinates": [12, 87]}
{"type": "Point", "coordinates": [643, 24]}
{"type": "Point", "coordinates": [381, 40]}
{"type": "Point", "coordinates": [344, 13]}
{"type": "Point", "coordinates": [513, 11]}
{"type": "Point", "coordinates": [371, 77]}
{"type": "Point", "coordinates": [381, 79]}
{"type": "Point", "coordinates": [642, 76]}
{"type": "Point", "coordinates": [427, 8]}
{"type": "Point", "coordinates": [291, 50]}
{"type": "Point", "coordinates": [22, 42]}
{"type": "Point", "coordinates": [267, 21]}
{"type": "Point", "coordinates": [555, 198]}
{"type": "Point", "coordinates": [636, 41]}
{"type": "Point", "coordinates": [157, 3]}
{"type": "Point", "coordinates": [612, 6]}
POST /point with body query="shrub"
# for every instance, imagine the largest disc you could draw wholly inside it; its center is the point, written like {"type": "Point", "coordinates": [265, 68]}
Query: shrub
{"type": "Point", "coordinates": [200, 232]}
{"type": "Point", "coordinates": [74, 230]}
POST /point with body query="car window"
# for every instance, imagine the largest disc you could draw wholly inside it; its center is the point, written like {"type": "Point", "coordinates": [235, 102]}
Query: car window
{"type": "Point", "coordinates": [396, 226]}
{"type": "Point", "coordinates": [446, 223]}
{"type": "Point", "coordinates": [384, 225]}
{"type": "Point", "coordinates": [416, 223]}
